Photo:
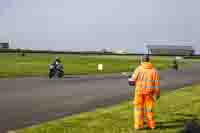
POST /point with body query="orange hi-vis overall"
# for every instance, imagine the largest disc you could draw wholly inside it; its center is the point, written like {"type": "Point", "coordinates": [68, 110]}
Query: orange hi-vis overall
{"type": "Point", "coordinates": [147, 85]}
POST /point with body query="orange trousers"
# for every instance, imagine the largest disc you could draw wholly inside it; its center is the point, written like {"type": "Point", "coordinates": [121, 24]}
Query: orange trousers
{"type": "Point", "coordinates": [143, 104]}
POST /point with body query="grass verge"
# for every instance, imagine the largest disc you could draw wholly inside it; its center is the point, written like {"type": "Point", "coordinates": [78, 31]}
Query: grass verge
{"type": "Point", "coordinates": [13, 65]}
{"type": "Point", "coordinates": [171, 112]}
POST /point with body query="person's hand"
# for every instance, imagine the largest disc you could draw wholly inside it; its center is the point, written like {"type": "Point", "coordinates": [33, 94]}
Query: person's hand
{"type": "Point", "coordinates": [157, 97]}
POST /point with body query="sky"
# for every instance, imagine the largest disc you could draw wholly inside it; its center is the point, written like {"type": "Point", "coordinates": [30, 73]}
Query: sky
{"type": "Point", "coordinates": [97, 24]}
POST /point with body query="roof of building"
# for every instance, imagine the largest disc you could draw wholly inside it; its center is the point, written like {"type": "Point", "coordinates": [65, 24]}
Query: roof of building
{"type": "Point", "coordinates": [4, 43]}
{"type": "Point", "coordinates": [169, 47]}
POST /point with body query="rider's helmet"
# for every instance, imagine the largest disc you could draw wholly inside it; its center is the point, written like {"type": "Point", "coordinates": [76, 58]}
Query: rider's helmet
{"type": "Point", "coordinates": [57, 58]}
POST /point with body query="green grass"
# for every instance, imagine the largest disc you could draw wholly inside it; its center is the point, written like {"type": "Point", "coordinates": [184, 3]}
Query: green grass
{"type": "Point", "coordinates": [37, 64]}
{"type": "Point", "coordinates": [171, 112]}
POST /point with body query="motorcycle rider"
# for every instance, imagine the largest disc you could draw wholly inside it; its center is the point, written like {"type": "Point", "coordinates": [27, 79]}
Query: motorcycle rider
{"type": "Point", "coordinates": [175, 65]}
{"type": "Point", "coordinates": [56, 61]}
{"type": "Point", "coordinates": [55, 64]}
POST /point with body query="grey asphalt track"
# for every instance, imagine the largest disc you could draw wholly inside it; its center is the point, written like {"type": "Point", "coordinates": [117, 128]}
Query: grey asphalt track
{"type": "Point", "coordinates": [28, 101]}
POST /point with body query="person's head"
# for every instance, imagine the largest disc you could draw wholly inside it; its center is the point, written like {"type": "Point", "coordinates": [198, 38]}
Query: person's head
{"type": "Point", "coordinates": [57, 58]}
{"type": "Point", "coordinates": [145, 58]}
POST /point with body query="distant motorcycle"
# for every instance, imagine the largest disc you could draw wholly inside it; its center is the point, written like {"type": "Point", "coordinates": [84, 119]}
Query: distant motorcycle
{"type": "Point", "coordinates": [56, 70]}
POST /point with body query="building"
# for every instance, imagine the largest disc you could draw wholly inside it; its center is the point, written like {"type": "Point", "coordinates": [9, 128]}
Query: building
{"type": "Point", "coordinates": [104, 50]}
{"type": "Point", "coordinates": [170, 50]}
{"type": "Point", "coordinates": [121, 51]}
{"type": "Point", "coordinates": [4, 45]}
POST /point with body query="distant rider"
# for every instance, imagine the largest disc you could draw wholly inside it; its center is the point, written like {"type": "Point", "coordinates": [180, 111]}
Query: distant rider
{"type": "Point", "coordinates": [175, 65]}
{"type": "Point", "coordinates": [56, 61]}
{"type": "Point", "coordinates": [56, 68]}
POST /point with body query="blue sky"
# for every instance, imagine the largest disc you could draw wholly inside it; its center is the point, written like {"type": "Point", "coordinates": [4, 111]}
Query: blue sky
{"type": "Point", "coordinates": [96, 24]}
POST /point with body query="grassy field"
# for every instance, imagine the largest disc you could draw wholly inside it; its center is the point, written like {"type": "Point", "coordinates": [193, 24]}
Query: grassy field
{"type": "Point", "coordinates": [171, 112]}
{"type": "Point", "coordinates": [37, 64]}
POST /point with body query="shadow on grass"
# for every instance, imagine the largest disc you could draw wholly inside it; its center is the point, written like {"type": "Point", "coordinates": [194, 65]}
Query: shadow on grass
{"type": "Point", "coordinates": [171, 124]}
{"type": "Point", "coordinates": [180, 122]}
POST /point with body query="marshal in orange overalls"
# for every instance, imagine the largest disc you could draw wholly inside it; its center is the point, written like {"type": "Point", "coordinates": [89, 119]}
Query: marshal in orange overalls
{"type": "Point", "coordinates": [147, 82]}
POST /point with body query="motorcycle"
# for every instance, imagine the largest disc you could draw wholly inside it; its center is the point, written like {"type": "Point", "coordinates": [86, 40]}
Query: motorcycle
{"type": "Point", "coordinates": [56, 71]}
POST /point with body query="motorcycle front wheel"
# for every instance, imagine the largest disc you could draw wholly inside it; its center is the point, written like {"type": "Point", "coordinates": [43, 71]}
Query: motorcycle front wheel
{"type": "Point", "coordinates": [61, 74]}
{"type": "Point", "coordinates": [51, 74]}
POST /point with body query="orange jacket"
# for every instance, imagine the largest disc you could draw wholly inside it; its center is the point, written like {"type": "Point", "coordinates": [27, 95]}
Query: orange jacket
{"type": "Point", "coordinates": [147, 79]}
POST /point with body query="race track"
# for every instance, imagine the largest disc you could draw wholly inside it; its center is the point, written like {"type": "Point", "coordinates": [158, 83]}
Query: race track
{"type": "Point", "coordinates": [28, 101]}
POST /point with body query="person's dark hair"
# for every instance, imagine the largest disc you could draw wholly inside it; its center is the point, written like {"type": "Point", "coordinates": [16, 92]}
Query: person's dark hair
{"type": "Point", "coordinates": [145, 58]}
